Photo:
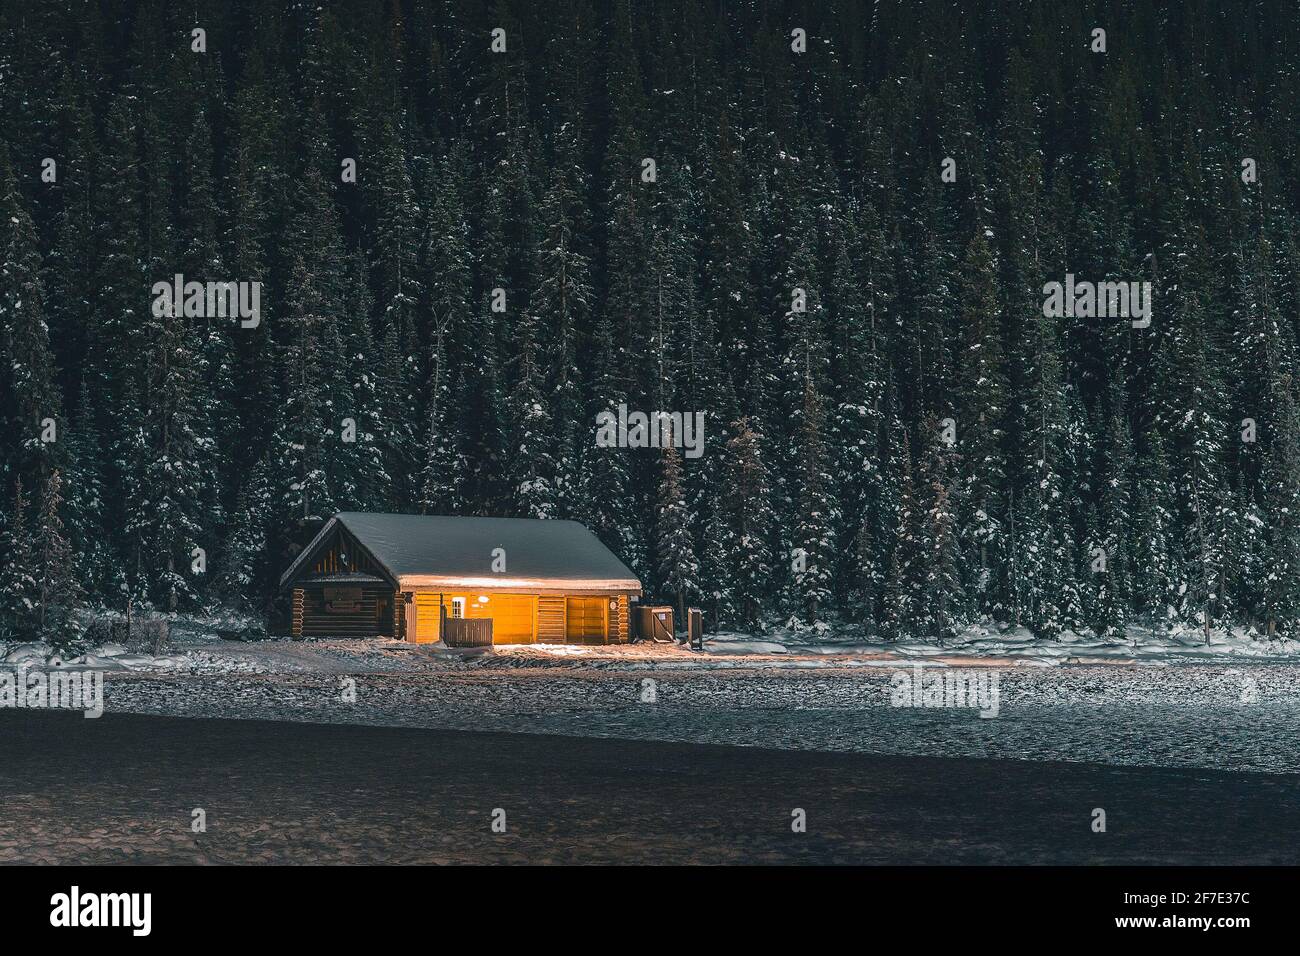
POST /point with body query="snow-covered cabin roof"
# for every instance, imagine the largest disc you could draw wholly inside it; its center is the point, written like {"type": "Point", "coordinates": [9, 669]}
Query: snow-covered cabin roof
{"type": "Point", "coordinates": [424, 551]}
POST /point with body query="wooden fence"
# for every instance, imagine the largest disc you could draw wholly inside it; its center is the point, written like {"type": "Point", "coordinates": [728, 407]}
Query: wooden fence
{"type": "Point", "coordinates": [467, 632]}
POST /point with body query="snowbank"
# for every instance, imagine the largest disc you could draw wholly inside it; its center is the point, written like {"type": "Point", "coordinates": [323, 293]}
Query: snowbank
{"type": "Point", "coordinates": [107, 657]}
{"type": "Point", "coordinates": [992, 644]}
{"type": "Point", "coordinates": [197, 647]}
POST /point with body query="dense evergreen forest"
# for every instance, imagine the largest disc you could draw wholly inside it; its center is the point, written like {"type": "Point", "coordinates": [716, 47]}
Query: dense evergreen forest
{"type": "Point", "coordinates": [898, 440]}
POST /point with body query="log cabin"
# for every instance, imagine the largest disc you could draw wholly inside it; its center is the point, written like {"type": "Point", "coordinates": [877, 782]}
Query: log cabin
{"type": "Point", "coordinates": [463, 581]}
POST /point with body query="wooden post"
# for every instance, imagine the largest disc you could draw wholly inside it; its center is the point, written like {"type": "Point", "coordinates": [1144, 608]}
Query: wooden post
{"type": "Point", "coordinates": [296, 627]}
{"type": "Point", "coordinates": [411, 620]}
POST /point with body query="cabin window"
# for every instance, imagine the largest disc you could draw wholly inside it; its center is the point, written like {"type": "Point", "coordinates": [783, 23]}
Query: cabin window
{"type": "Point", "coordinates": [458, 607]}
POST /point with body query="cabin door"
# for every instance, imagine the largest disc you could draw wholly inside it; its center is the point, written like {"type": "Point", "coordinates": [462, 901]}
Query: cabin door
{"type": "Point", "coordinates": [585, 620]}
{"type": "Point", "coordinates": [428, 617]}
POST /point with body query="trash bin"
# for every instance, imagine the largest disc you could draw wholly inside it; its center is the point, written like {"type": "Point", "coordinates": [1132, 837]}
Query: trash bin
{"type": "Point", "coordinates": [695, 628]}
{"type": "Point", "coordinates": [654, 623]}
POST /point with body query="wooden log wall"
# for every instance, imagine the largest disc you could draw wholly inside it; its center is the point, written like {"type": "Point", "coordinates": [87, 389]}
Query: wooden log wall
{"type": "Point", "coordinates": [620, 631]}
{"type": "Point", "coordinates": [363, 621]}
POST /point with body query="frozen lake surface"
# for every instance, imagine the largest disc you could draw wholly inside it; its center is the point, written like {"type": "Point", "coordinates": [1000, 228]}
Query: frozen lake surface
{"type": "Point", "coordinates": [126, 789]}
{"type": "Point", "coordinates": [647, 755]}
{"type": "Point", "coordinates": [1238, 717]}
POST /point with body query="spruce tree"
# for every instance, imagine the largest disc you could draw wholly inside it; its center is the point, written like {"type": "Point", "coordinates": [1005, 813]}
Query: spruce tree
{"type": "Point", "coordinates": [29, 392]}
{"type": "Point", "coordinates": [607, 471]}
{"type": "Point", "coordinates": [19, 575]}
{"type": "Point", "coordinates": [901, 607]}
{"type": "Point", "coordinates": [980, 407]}
{"type": "Point", "coordinates": [816, 514]}
{"type": "Point", "coordinates": [58, 588]}
{"type": "Point", "coordinates": [941, 609]}
{"type": "Point", "coordinates": [678, 568]}
{"type": "Point", "coordinates": [561, 303]}
{"type": "Point", "coordinates": [1282, 511]}
{"type": "Point", "coordinates": [84, 501]}
{"type": "Point", "coordinates": [744, 532]}
{"type": "Point", "coordinates": [1153, 591]}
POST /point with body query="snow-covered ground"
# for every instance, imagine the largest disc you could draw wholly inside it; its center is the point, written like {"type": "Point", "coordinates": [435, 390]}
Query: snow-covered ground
{"type": "Point", "coordinates": [1232, 705]}
{"type": "Point", "coordinates": [993, 644]}
{"type": "Point", "coordinates": [196, 647]}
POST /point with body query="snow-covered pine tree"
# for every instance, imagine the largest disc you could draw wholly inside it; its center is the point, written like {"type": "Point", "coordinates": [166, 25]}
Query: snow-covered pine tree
{"type": "Point", "coordinates": [799, 338]}
{"type": "Point", "coordinates": [930, 339]}
{"type": "Point", "coordinates": [1154, 593]}
{"type": "Point", "coordinates": [941, 610]}
{"type": "Point", "coordinates": [1043, 559]}
{"type": "Point", "coordinates": [745, 534]}
{"type": "Point", "coordinates": [706, 387]}
{"type": "Point", "coordinates": [607, 471]}
{"type": "Point", "coordinates": [500, 110]}
{"type": "Point", "coordinates": [623, 364]}
{"type": "Point", "coordinates": [561, 303]}
{"type": "Point", "coordinates": [216, 396]}
{"type": "Point", "coordinates": [166, 518]}
{"type": "Point", "coordinates": [115, 361]}
{"type": "Point", "coordinates": [1282, 510]}
{"type": "Point", "coordinates": [727, 246]}
{"type": "Point", "coordinates": [530, 459]}
{"type": "Point", "coordinates": [677, 566]}
{"type": "Point", "coordinates": [305, 448]}
{"type": "Point", "coordinates": [396, 242]}
{"type": "Point", "coordinates": [1191, 418]}
{"type": "Point", "coordinates": [70, 263]}
{"type": "Point", "coordinates": [441, 465]}
{"type": "Point", "coordinates": [1108, 550]}
{"type": "Point", "coordinates": [371, 481]}
{"type": "Point", "coordinates": [29, 394]}
{"type": "Point", "coordinates": [626, 303]}
{"type": "Point", "coordinates": [84, 502]}
{"type": "Point", "coordinates": [861, 299]}
{"type": "Point", "coordinates": [246, 570]}
{"type": "Point", "coordinates": [901, 606]}
{"type": "Point", "coordinates": [980, 405]}
{"type": "Point", "coordinates": [58, 586]}
{"type": "Point", "coordinates": [449, 352]}
{"type": "Point", "coordinates": [816, 513]}
{"type": "Point", "coordinates": [257, 191]}
{"type": "Point", "coordinates": [19, 587]}
{"type": "Point", "coordinates": [1246, 548]}
{"type": "Point", "coordinates": [478, 392]}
